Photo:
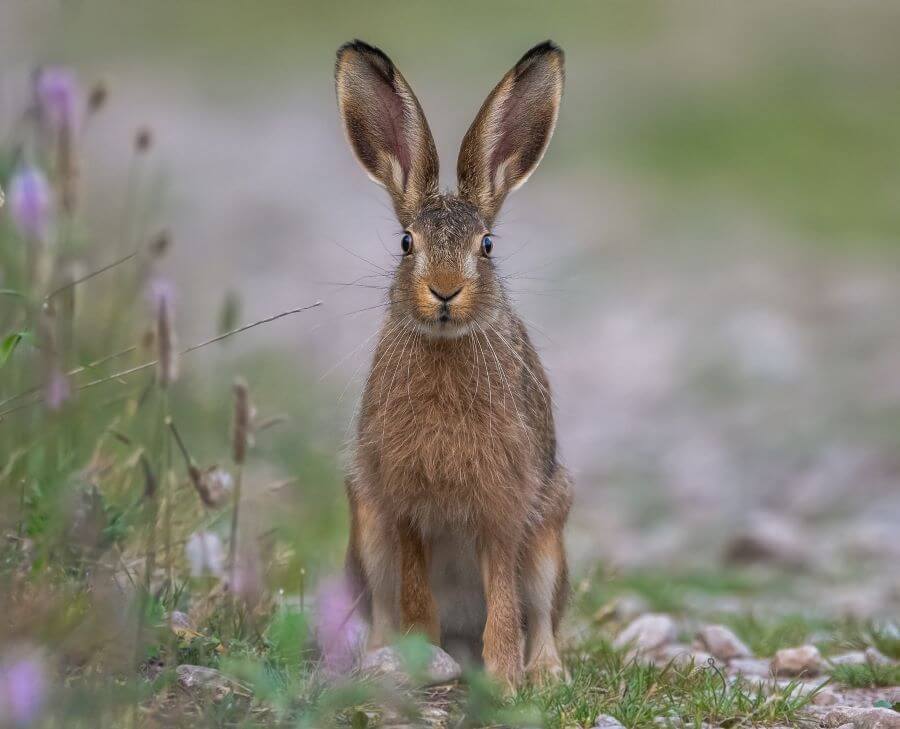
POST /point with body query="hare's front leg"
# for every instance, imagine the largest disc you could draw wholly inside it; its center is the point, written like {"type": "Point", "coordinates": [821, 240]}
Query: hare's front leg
{"type": "Point", "coordinates": [372, 553]}
{"type": "Point", "coordinates": [417, 605]}
{"type": "Point", "coordinates": [544, 586]}
{"type": "Point", "coordinates": [502, 630]}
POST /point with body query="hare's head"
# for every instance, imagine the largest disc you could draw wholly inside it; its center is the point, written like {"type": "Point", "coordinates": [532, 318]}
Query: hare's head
{"type": "Point", "coordinates": [445, 280]}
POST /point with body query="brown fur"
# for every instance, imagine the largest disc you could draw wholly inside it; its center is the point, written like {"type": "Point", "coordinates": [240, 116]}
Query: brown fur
{"type": "Point", "coordinates": [457, 499]}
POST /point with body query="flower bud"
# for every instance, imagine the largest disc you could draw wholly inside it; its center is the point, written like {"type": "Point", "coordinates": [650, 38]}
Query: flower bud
{"type": "Point", "coordinates": [56, 89]}
{"type": "Point", "coordinates": [30, 203]}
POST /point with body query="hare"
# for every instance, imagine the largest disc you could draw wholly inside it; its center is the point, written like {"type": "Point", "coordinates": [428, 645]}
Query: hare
{"type": "Point", "coordinates": [457, 499]}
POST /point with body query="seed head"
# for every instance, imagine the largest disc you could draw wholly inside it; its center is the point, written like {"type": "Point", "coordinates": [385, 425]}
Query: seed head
{"type": "Point", "coordinates": [98, 96]}
{"type": "Point", "coordinates": [167, 354]}
{"type": "Point", "coordinates": [143, 139]}
{"type": "Point", "coordinates": [212, 485]}
{"type": "Point", "coordinates": [160, 244]}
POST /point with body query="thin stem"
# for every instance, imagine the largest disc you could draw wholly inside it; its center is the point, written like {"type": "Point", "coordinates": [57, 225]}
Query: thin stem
{"type": "Point", "coordinates": [90, 275]}
{"type": "Point", "coordinates": [180, 443]}
{"type": "Point", "coordinates": [146, 365]}
{"type": "Point", "coordinates": [235, 514]}
{"type": "Point", "coordinates": [167, 486]}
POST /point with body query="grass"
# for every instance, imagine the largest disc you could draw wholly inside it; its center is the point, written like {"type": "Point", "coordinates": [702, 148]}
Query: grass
{"type": "Point", "coordinates": [638, 695]}
{"type": "Point", "coordinates": [667, 591]}
{"type": "Point", "coordinates": [867, 675]}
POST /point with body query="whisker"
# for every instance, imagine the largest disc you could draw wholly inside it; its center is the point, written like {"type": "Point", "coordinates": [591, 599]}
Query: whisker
{"type": "Point", "coordinates": [544, 391]}
{"type": "Point", "coordinates": [387, 393]}
{"type": "Point", "coordinates": [361, 258]}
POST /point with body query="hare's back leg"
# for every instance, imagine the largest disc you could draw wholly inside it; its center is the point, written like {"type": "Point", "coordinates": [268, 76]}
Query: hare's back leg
{"type": "Point", "coordinates": [371, 565]}
{"type": "Point", "coordinates": [458, 590]}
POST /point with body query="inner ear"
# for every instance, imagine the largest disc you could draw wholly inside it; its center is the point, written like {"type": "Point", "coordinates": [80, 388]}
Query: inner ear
{"type": "Point", "coordinates": [377, 79]}
{"type": "Point", "coordinates": [512, 129]}
{"type": "Point", "coordinates": [385, 126]}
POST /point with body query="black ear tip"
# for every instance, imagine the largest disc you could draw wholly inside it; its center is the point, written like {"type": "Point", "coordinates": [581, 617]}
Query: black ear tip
{"type": "Point", "coordinates": [375, 56]}
{"type": "Point", "coordinates": [542, 50]}
{"type": "Point", "coordinates": [363, 48]}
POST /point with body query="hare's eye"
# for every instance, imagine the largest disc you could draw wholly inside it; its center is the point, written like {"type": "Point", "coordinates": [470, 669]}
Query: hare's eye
{"type": "Point", "coordinates": [487, 245]}
{"type": "Point", "coordinates": [406, 244]}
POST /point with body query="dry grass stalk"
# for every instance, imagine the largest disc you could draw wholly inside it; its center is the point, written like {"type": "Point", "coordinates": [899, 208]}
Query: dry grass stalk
{"type": "Point", "coordinates": [67, 170]}
{"type": "Point", "coordinates": [141, 367]}
{"type": "Point", "coordinates": [241, 422]}
{"type": "Point", "coordinates": [167, 355]}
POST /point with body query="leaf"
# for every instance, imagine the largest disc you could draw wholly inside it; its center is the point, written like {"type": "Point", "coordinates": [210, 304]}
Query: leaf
{"type": "Point", "coordinates": [11, 292]}
{"type": "Point", "coordinates": [9, 344]}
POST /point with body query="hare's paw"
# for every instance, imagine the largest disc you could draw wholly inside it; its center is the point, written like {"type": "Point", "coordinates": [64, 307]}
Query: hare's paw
{"type": "Point", "coordinates": [544, 670]}
{"type": "Point", "coordinates": [507, 674]}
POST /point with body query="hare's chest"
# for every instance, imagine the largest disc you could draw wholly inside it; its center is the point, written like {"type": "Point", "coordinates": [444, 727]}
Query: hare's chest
{"type": "Point", "coordinates": [444, 440]}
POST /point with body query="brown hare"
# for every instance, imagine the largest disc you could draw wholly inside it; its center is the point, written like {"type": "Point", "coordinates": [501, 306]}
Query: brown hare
{"type": "Point", "coordinates": [457, 499]}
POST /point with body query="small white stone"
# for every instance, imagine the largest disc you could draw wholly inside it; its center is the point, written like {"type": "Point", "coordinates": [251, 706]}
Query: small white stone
{"type": "Point", "coordinates": [681, 655]}
{"type": "Point", "coordinates": [875, 656]}
{"type": "Point", "coordinates": [387, 662]}
{"type": "Point", "coordinates": [825, 697]}
{"type": "Point", "coordinates": [803, 660]}
{"type": "Point", "coordinates": [861, 718]}
{"type": "Point", "coordinates": [647, 633]}
{"type": "Point", "coordinates": [853, 658]}
{"type": "Point", "coordinates": [722, 643]}
{"type": "Point", "coordinates": [605, 721]}
{"type": "Point", "coordinates": [207, 679]}
{"type": "Point", "coordinates": [750, 667]}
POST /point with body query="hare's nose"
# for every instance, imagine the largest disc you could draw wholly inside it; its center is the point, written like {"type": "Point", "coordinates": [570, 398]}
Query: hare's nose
{"type": "Point", "coordinates": [444, 296]}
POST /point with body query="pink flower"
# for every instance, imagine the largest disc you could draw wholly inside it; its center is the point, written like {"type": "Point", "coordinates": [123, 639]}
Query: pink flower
{"type": "Point", "coordinates": [23, 690]}
{"type": "Point", "coordinates": [57, 94]}
{"type": "Point", "coordinates": [57, 390]}
{"type": "Point", "coordinates": [30, 203]}
{"type": "Point", "coordinates": [161, 292]}
{"type": "Point", "coordinates": [339, 628]}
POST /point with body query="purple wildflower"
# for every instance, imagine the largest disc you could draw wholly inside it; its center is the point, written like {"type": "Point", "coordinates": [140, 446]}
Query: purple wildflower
{"type": "Point", "coordinates": [30, 203]}
{"type": "Point", "coordinates": [23, 690]}
{"type": "Point", "coordinates": [57, 390]}
{"type": "Point", "coordinates": [339, 628]}
{"type": "Point", "coordinates": [56, 89]}
{"type": "Point", "coordinates": [161, 292]}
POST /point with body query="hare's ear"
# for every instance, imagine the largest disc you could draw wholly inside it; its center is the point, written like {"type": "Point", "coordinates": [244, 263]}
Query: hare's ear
{"type": "Point", "coordinates": [386, 127]}
{"type": "Point", "coordinates": [512, 130]}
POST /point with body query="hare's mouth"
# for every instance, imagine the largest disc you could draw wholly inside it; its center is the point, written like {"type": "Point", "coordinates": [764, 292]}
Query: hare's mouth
{"type": "Point", "coordinates": [443, 327]}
